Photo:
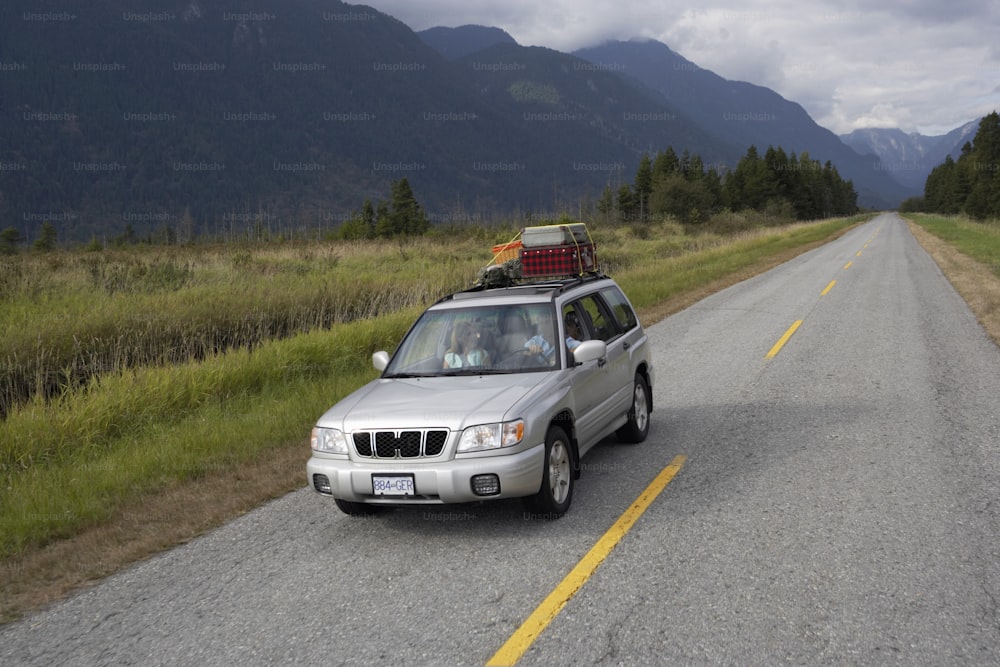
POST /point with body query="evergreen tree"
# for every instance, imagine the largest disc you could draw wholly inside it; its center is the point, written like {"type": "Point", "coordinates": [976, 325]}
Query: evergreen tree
{"type": "Point", "coordinates": [665, 163]}
{"type": "Point", "coordinates": [713, 183]}
{"type": "Point", "coordinates": [46, 240]}
{"type": "Point", "coordinates": [643, 185]}
{"type": "Point", "coordinates": [368, 219]}
{"type": "Point", "coordinates": [695, 168]}
{"type": "Point", "coordinates": [752, 183]}
{"type": "Point", "coordinates": [383, 222]}
{"type": "Point", "coordinates": [10, 238]}
{"type": "Point", "coordinates": [606, 204]}
{"type": "Point", "coordinates": [407, 217]}
{"type": "Point", "coordinates": [626, 203]}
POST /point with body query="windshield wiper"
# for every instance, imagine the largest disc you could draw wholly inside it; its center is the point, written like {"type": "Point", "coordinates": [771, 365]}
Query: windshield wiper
{"type": "Point", "coordinates": [471, 371]}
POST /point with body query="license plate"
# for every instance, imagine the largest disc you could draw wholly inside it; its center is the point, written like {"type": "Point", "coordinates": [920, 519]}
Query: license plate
{"type": "Point", "coordinates": [393, 485]}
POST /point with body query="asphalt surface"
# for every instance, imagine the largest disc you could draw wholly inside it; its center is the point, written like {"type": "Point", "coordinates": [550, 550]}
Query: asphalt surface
{"type": "Point", "coordinates": [839, 504]}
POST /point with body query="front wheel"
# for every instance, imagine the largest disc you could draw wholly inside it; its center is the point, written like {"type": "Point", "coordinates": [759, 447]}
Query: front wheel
{"type": "Point", "coordinates": [553, 499]}
{"type": "Point", "coordinates": [637, 427]}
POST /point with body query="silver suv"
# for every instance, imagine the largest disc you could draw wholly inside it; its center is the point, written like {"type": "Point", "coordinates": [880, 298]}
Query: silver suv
{"type": "Point", "coordinates": [493, 393]}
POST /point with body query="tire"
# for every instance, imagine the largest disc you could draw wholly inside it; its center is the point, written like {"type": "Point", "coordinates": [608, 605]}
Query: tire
{"type": "Point", "coordinates": [553, 499]}
{"type": "Point", "coordinates": [357, 509]}
{"type": "Point", "coordinates": [637, 427]}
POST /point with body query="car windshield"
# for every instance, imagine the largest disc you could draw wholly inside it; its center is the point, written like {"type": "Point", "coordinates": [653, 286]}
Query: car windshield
{"type": "Point", "coordinates": [478, 341]}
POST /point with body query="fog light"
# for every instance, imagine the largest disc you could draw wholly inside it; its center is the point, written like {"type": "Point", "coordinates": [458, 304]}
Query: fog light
{"type": "Point", "coordinates": [322, 484]}
{"type": "Point", "coordinates": [486, 485]}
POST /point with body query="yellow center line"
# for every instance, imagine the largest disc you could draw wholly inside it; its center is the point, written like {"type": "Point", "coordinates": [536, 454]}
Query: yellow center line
{"type": "Point", "coordinates": [859, 254]}
{"type": "Point", "coordinates": [545, 613]}
{"type": "Point", "coordinates": [784, 339]}
{"type": "Point", "coordinates": [848, 265]}
{"type": "Point", "coordinates": [828, 288]}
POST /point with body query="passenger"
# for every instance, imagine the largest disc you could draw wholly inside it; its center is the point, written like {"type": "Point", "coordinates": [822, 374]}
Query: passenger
{"type": "Point", "coordinates": [574, 335]}
{"type": "Point", "coordinates": [465, 350]}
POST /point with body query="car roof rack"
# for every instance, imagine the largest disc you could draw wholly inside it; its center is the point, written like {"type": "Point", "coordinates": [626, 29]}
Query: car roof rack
{"type": "Point", "coordinates": [558, 283]}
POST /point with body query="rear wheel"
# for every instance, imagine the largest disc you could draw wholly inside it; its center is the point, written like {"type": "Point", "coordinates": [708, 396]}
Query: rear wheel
{"type": "Point", "coordinates": [553, 499]}
{"type": "Point", "coordinates": [637, 427]}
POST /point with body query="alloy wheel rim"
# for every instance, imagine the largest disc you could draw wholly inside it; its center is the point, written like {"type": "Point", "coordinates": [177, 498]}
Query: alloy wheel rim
{"type": "Point", "coordinates": [559, 472]}
{"type": "Point", "coordinates": [639, 405]}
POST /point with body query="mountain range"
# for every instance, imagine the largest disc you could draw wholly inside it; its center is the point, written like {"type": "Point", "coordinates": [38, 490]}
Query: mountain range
{"type": "Point", "coordinates": [909, 157]}
{"type": "Point", "coordinates": [746, 114]}
{"type": "Point", "coordinates": [289, 114]}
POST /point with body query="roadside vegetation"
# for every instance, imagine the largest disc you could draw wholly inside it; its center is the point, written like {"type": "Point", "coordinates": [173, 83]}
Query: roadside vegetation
{"type": "Point", "coordinates": [977, 239]}
{"type": "Point", "coordinates": [154, 392]}
{"type": "Point", "coordinates": [968, 253]}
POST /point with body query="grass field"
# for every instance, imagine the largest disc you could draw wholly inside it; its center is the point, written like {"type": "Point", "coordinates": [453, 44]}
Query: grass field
{"type": "Point", "coordinates": [138, 386]}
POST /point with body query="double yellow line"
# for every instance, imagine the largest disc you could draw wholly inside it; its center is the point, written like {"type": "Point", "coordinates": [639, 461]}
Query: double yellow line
{"type": "Point", "coordinates": [545, 613]}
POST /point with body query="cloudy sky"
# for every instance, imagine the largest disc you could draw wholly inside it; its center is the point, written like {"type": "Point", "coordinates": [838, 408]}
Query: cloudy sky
{"type": "Point", "coordinates": [924, 66]}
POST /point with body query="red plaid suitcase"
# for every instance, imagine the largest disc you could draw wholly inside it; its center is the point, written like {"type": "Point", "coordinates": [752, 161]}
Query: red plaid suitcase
{"type": "Point", "coordinates": [558, 260]}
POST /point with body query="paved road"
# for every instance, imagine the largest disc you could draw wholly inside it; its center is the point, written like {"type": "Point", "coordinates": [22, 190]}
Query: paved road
{"type": "Point", "coordinates": [840, 504]}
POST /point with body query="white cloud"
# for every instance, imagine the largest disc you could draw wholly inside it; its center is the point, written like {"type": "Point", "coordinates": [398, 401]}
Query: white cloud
{"type": "Point", "coordinates": [916, 64]}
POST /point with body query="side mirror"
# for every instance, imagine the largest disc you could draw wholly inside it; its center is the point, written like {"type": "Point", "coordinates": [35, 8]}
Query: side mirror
{"type": "Point", "coordinates": [589, 350]}
{"type": "Point", "coordinates": [380, 360]}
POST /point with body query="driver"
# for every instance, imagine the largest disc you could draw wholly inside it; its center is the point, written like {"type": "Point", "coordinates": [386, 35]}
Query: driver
{"type": "Point", "coordinates": [539, 343]}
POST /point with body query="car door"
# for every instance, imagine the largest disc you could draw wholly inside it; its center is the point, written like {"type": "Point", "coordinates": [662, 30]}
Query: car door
{"type": "Point", "coordinates": [611, 331]}
{"type": "Point", "coordinates": [588, 379]}
{"type": "Point", "coordinates": [629, 344]}
{"type": "Point", "coordinates": [597, 384]}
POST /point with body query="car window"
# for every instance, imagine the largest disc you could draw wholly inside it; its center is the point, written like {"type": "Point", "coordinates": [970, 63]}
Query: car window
{"type": "Point", "coordinates": [601, 325]}
{"type": "Point", "coordinates": [623, 312]}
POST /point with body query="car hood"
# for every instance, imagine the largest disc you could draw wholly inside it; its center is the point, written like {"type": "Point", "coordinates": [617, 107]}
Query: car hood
{"type": "Point", "coordinates": [437, 402]}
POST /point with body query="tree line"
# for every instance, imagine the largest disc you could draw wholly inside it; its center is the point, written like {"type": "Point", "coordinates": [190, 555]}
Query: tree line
{"type": "Point", "coordinates": [777, 184]}
{"type": "Point", "coordinates": [969, 185]}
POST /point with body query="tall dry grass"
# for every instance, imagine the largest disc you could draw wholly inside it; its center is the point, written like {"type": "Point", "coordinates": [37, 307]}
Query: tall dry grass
{"type": "Point", "coordinates": [69, 317]}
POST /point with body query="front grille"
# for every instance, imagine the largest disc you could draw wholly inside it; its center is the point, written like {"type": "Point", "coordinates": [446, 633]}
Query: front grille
{"type": "Point", "coordinates": [399, 444]}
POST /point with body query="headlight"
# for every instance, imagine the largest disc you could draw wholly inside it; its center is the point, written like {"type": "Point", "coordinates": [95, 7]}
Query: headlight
{"type": "Point", "coordinates": [491, 436]}
{"type": "Point", "coordinates": [328, 440]}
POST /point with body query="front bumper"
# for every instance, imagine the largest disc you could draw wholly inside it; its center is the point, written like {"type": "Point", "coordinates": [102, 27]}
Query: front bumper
{"type": "Point", "coordinates": [436, 483]}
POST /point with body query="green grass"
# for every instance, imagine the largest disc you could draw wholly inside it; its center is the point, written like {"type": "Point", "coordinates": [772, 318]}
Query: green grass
{"type": "Point", "coordinates": [71, 461]}
{"type": "Point", "coordinates": [69, 464]}
{"type": "Point", "coordinates": [978, 240]}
